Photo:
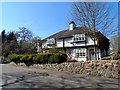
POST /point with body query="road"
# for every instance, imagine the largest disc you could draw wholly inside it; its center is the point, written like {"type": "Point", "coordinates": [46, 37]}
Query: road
{"type": "Point", "coordinates": [21, 77]}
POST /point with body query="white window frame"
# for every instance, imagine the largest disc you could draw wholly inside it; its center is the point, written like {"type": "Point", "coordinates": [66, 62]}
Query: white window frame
{"type": "Point", "coordinates": [79, 37]}
{"type": "Point", "coordinates": [81, 52]}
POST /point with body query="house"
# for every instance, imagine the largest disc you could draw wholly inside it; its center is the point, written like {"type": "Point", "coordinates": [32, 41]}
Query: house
{"type": "Point", "coordinates": [77, 43]}
{"type": "Point", "coordinates": [38, 45]}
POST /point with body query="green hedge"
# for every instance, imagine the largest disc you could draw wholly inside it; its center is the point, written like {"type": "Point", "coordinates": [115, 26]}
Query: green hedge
{"type": "Point", "coordinates": [39, 58]}
{"type": "Point", "coordinates": [116, 57]}
{"type": "Point", "coordinates": [57, 58]}
{"type": "Point", "coordinates": [14, 58]}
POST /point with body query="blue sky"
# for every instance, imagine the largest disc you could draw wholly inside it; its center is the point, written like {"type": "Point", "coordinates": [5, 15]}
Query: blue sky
{"type": "Point", "coordinates": [42, 18]}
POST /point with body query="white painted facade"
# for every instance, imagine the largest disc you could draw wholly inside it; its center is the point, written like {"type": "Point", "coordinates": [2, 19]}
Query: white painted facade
{"type": "Point", "coordinates": [78, 46]}
{"type": "Point", "coordinates": [70, 42]}
{"type": "Point", "coordinates": [59, 43]}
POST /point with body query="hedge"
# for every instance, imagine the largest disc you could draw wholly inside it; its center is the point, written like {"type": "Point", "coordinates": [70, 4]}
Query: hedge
{"type": "Point", "coordinates": [57, 58]}
{"type": "Point", "coordinates": [38, 58]}
{"type": "Point", "coordinates": [14, 58]}
{"type": "Point", "coordinates": [116, 57]}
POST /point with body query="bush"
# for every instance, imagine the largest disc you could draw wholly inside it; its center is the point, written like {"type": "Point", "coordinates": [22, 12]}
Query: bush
{"type": "Point", "coordinates": [39, 58]}
{"type": "Point", "coordinates": [35, 58]}
{"type": "Point", "coordinates": [22, 58]}
{"type": "Point", "coordinates": [26, 58]}
{"type": "Point", "coordinates": [5, 60]}
{"type": "Point", "coordinates": [45, 58]}
{"type": "Point", "coordinates": [116, 57]}
{"type": "Point", "coordinates": [54, 58]}
{"type": "Point", "coordinates": [57, 58]}
{"type": "Point", "coordinates": [54, 50]}
{"type": "Point", "coordinates": [14, 58]}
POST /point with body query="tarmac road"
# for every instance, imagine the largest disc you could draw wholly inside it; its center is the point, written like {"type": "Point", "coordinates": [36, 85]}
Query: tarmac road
{"type": "Point", "coordinates": [21, 77]}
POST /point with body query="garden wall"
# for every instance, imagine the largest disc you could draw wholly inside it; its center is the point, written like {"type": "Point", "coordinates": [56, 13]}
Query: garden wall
{"type": "Point", "coordinates": [104, 68]}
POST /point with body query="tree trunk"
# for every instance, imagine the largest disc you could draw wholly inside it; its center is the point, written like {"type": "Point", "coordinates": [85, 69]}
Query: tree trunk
{"type": "Point", "coordinates": [95, 56]}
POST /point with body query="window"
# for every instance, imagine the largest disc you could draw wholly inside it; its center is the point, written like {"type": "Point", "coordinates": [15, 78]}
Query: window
{"type": "Point", "coordinates": [80, 52]}
{"type": "Point", "coordinates": [79, 37]}
{"type": "Point", "coordinates": [51, 41]}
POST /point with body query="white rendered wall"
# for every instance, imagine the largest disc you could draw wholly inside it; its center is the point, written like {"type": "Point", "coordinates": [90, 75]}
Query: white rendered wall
{"type": "Point", "coordinates": [79, 58]}
{"type": "Point", "coordinates": [59, 42]}
{"type": "Point", "coordinates": [68, 42]}
{"type": "Point", "coordinates": [44, 45]}
{"type": "Point", "coordinates": [90, 41]}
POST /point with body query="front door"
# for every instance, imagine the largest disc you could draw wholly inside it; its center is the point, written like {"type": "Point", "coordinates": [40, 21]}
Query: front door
{"type": "Point", "coordinates": [91, 54]}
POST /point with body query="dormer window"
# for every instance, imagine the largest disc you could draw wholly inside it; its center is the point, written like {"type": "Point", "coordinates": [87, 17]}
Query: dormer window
{"type": "Point", "coordinates": [79, 37]}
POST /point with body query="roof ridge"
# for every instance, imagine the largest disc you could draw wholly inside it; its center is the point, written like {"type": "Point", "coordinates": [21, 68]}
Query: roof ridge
{"type": "Point", "coordinates": [68, 33]}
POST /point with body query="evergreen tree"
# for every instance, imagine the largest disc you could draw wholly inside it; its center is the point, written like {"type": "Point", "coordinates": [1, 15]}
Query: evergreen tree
{"type": "Point", "coordinates": [12, 43]}
{"type": "Point", "coordinates": [9, 43]}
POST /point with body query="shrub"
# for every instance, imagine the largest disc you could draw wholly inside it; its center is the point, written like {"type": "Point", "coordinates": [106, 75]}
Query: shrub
{"type": "Point", "coordinates": [57, 58]}
{"type": "Point", "coordinates": [5, 60]}
{"type": "Point", "coordinates": [45, 58]}
{"type": "Point", "coordinates": [54, 59]}
{"type": "Point", "coordinates": [23, 58]}
{"type": "Point", "coordinates": [26, 58]}
{"type": "Point", "coordinates": [14, 58]}
{"type": "Point", "coordinates": [34, 58]}
{"type": "Point", "coordinates": [30, 58]}
{"type": "Point", "coordinates": [54, 50]}
{"type": "Point", "coordinates": [64, 57]}
{"type": "Point", "coordinates": [116, 57]}
{"type": "Point", "coordinates": [39, 58]}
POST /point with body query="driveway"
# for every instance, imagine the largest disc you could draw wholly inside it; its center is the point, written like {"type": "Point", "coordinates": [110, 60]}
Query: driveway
{"type": "Point", "coordinates": [21, 77]}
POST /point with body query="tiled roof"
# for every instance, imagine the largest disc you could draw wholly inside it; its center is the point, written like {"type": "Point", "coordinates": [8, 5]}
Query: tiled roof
{"type": "Point", "coordinates": [68, 33]}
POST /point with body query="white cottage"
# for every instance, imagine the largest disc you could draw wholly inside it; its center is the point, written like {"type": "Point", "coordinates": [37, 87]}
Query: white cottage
{"type": "Point", "coordinates": [77, 44]}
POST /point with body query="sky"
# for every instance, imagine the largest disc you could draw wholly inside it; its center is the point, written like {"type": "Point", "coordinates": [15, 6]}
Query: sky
{"type": "Point", "coordinates": [42, 18]}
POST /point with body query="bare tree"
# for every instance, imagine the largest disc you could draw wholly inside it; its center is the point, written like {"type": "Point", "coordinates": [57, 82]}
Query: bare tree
{"type": "Point", "coordinates": [95, 16]}
{"type": "Point", "coordinates": [24, 37]}
{"type": "Point", "coordinates": [115, 45]}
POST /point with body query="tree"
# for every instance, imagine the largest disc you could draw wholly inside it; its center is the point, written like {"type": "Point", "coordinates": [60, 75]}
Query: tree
{"type": "Point", "coordinates": [95, 16]}
{"type": "Point", "coordinates": [13, 43]}
{"type": "Point", "coordinates": [9, 43]}
{"type": "Point", "coordinates": [24, 37]}
{"type": "Point", "coordinates": [115, 45]}
{"type": "Point", "coordinates": [3, 35]}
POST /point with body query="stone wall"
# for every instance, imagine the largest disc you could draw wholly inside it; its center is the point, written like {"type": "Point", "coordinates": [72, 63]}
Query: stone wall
{"type": "Point", "coordinates": [104, 68]}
